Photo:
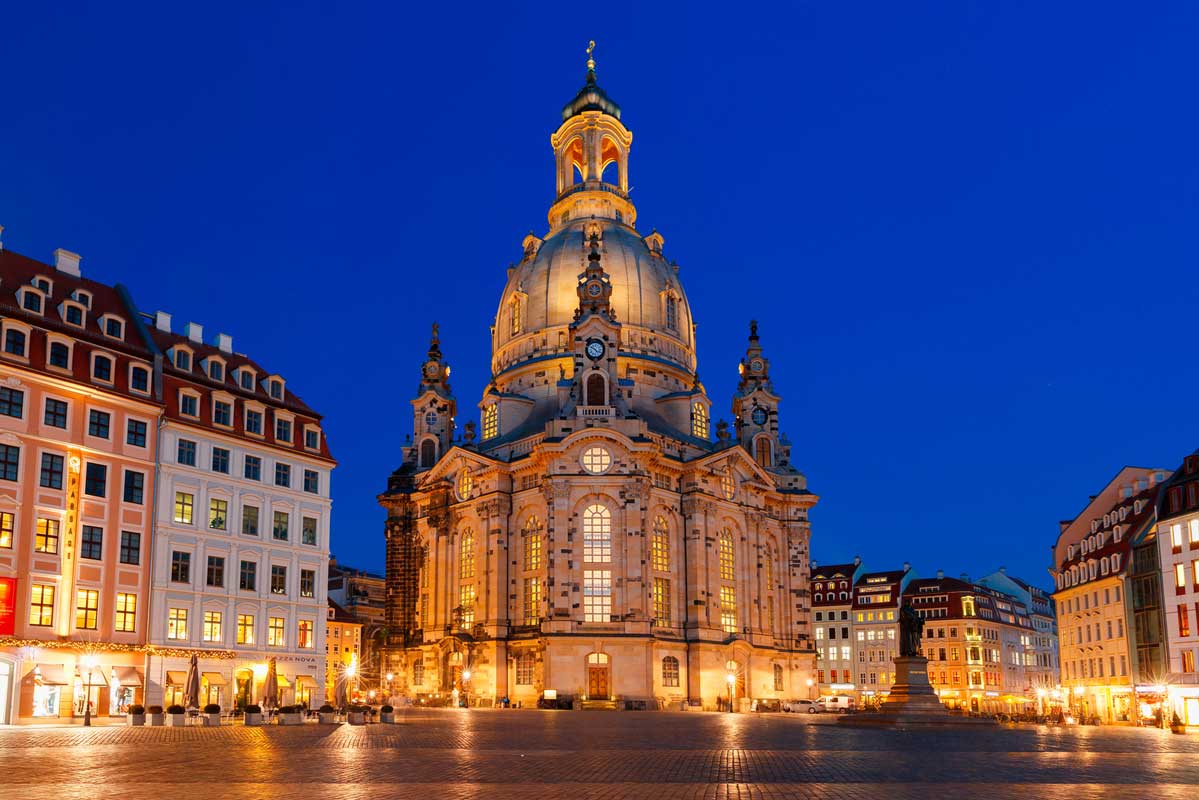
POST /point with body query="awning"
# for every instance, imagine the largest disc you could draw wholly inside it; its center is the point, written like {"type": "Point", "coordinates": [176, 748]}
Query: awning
{"type": "Point", "coordinates": [98, 676]}
{"type": "Point", "coordinates": [50, 674]}
{"type": "Point", "coordinates": [127, 676]}
{"type": "Point", "coordinates": [284, 683]}
{"type": "Point", "coordinates": [214, 678]}
{"type": "Point", "coordinates": [176, 678]}
{"type": "Point", "coordinates": [306, 682]}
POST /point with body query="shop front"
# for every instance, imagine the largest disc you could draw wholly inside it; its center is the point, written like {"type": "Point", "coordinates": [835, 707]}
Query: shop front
{"type": "Point", "coordinates": [56, 684]}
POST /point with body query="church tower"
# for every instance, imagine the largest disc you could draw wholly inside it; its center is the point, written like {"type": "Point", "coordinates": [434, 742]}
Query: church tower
{"type": "Point", "coordinates": [596, 336]}
{"type": "Point", "coordinates": [433, 408]}
{"type": "Point", "coordinates": [756, 407]}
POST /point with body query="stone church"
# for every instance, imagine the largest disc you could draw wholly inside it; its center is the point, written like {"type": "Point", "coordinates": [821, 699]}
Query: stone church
{"type": "Point", "coordinates": [594, 540]}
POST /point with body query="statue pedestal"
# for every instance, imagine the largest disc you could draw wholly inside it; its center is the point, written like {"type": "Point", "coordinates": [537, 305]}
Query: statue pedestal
{"type": "Point", "coordinates": [913, 701]}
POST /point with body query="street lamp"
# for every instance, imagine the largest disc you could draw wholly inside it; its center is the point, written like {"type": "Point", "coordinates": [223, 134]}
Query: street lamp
{"type": "Point", "coordinates": [89, 663]}
{"type": "Point", "coordinates": [731, 679]}
{"type": "Point", "coordinates": [389, 676]}
{"type": "Point", "coordinates": [811, 683]}
{"type": "Point", "coordinates": [465, 691]}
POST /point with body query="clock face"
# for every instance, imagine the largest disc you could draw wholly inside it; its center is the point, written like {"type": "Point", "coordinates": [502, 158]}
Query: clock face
{"type": "Point", "coordinates": [594, 289]}
{"type": "Point", "coordinates": [756, 365]}
{"type": "Point", "coordinates": [759, 416]}
{"type": "Point", "coordinates": [595, 349]}
{"type": "Point", "coordinates": [431, 369]}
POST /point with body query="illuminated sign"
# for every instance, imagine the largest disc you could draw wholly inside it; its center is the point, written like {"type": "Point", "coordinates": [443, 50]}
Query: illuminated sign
{"type": "Point", "coordinates": [8, 606]}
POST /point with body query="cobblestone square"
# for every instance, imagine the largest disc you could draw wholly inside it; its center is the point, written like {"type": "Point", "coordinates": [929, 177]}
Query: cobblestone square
{"type": "Point", "coordinates": [495, 754]}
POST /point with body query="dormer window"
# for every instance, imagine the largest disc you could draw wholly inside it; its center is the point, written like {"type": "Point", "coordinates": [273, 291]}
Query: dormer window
{"type": "Point", "coordinates": [491, 421]}
{"type": "Point", "coordinates": [216, 371]}
{"type": "Point", "coordinates": [189, 405]}
{"type": "Point", "coordinates": [59, 355]}
{"type": "Point", "coordinates": [246, 379]}
{"type": "Point", "coordinates": [14, 342]}
{"type": "Point", "coordinates": [283, 430]}
{"type": "Point", "coordinates": [672, 313]}
{"type": "Point", "coordinates": [312, 438]}
{"type": "Point", "coordinates": [183, 360]}
{"type": "Point", "coordinates": [82, 298]}
{"type": "Point", "coordinates": [73, 314]}
{"type": "Point", "coordinates": [112, 326]}
{"type": "Point", "coordinates": [102, 368]}
{"type": "Point", "coordinates": [275, 388]}
{"type": "Point", "coordinates": [31, 301]}
{"type": "Point", "coordinates": [42, 283]}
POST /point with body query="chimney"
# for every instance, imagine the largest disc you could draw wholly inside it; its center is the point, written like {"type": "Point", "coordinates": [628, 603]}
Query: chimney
{"type": "Point", "coordinates": [162, 321]}
{"type": "Point", "coordinates": [940, 574]}
{"type": "Point", "coordinates": [857, 561]}
{"type": "Point", "coordinates": [68, 262]}
{"type": "Point", "coordinates": [965, 578]}
{"type": "Point", "coordinates": [907, 567]}
{"type": "Point", "coordinates": [195, 333]}
{"type": "Point", "coordinates": [813, 563]}
{"type": "Point", "coordinates": [1003, 570]}
{"type": "Point", "coordinates": [224, 343]}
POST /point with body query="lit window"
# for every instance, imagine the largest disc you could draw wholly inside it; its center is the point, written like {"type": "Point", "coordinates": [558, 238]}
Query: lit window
{"type": "Point", "coordinates": [87, 609]}
{"type": "Point", "coordinates": [218, 514]}
{"type": "Point", "coordinates": [670, 671]}
{"type": "Point", "coordinates": [278, 579]}
{"type": "Point", "coordinates": [177, 623]}
{"type": "Point", "coordinates": [661, 602]}
{"type": "Point", "coordinates": [466, 555]}
{"type": "Point", "coordinates": [41, 605]}
{"type": "Point", "coordinates": [524, 669]}
{"type": "Point", "coordinates": [491, 422]}
{"type": "Point", "coordinates": [597, 595]}
{"type": "Point", "coordinates": [282, 526]}
{"type": "Point", "coordinates": [249, 520]}
{"type": "Point", "coordinates": [1180, 576]}
{"type": "Point", "coordinates": [304, 634]}
{"type": "Point", "coordinates": [212, 626]}
{"type": "Point", "coordinates": [465, 485]}
{"type": "Point", "coordinates": [597, 534]}
{"type": "Point", "coordinates": [728, 609]}
{"type": "Point", "coordinates": [274, 632]}
{"type": "Point", "coordinates": [515, 316]}
{"type": "Point", "coordinates": [466, 605]}
{"type": "Point", "coordinates": [532, 601]}
{"type": "Point", "coordinates": [596, 460]}
{"type": "Point", "coordinates": [308, 531]}
{"type": "Point", "coordinates": [728, 486]}
{"type": "Point", "coordinates": [126, 614]}
{"type": "Point", "coordinates": [699, 421]}
{"type": "Point", "coordinates": [46, 540]}
{"type": "Point", "coordinates": [728, 559]}
{"type": "Point", "coordinates": [672, 313]}
{"type": "Point", "coordinates": [6, 529]}
{"type": "Point", "coordinates": [532, 544]}
{"type": "Point", "coordinates": [184, 504]}
{"type": "Point", "coordinates": [245, 629]}
{"type": "Point", "coordinates": [659, 548]}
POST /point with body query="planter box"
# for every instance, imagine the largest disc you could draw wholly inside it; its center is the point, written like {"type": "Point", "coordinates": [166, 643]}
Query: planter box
{"type": "Point", "coordinates": [176, 720]}
{"type": "Point", "coordinates": [327, 719]}
{"type": "Point", "coordinates": [136, 720]}
{"type": "Point", "coordinates": [387, 717]}
{"type": "Point", "coordinates": [212, 720]}
{"type": "Point", "coordinates": [291, 719]}
{"type": "Point", "coordinates": [253, 719]}
{"type": "Point", "coordinates": [156, 720]}
{"type": "Point", "coordinates": [356, 718]}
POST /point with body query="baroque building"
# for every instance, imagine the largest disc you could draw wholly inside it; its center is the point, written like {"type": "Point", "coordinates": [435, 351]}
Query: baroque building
{"type": "Point", "coordinates": [593, 541]}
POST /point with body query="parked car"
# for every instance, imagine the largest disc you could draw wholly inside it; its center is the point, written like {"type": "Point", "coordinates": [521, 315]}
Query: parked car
{"type": "Point", "coordinates": [801, 706]}
{"type": "Point", "coordinates": [838, 703]}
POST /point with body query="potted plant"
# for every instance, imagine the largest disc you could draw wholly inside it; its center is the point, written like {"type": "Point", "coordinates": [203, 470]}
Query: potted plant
{"type": "Point", "coordinates": [176, 716]}
{"type": "Point", "coordinates": [156, 718]}
{"type": "Point", "coordinates": [356, 715]}
{"type": "Point", "coordinates": [253, 714]}
{"type": "Point", "coordinates": [212, 715]}
{"type": "Point", "coordinates": [1176, 725]}
{"type": "Point", "coordinates": [387, 714]}
{"type": "Point", "coordinates": [327, 714]}
{"type": "Point", "coordinates": [291, 715]}
{"type": "Point", "coordinates": [137, 715]}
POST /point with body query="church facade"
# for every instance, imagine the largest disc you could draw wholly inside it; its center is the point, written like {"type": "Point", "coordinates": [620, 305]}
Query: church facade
{"type": "Point", "coordinates": [593, 540]}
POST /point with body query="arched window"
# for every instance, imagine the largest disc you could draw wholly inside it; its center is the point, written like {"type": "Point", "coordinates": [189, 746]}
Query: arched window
{"type": "Point", "coordinates": [466, 554]}
{"type": "Point", "coordinates": [524, 669]}
{"type": "Point", "coordinates": [14, 342]}
{"type": "Point", "coordinates": [418, 672]}
{"type": "Point", "coordinates": [516, 322]}
{"type": "Point", "coordinates": [596, 391]}
{"type": "Point", "coordinates": [532, 543]}
{"type": "Point", "coordinates": [466, 484]}
{"type": "Point", "coordinates": [778, 677]}
{"type": "Point", "coordinates": [491, 422]}
{"type": "Point", "coordinates": [728, 559]}
{"type": "Point", "coordinates": [597, 534]}
{"type": "Point", "coordinates": [699, 421]}
{"type": "Point", "coordinates": [60, 355]}
{"type": "Point", "coordinates": [762, 452]}
{"type": "Point", "coordinates": [672, 313]}
{"type": "Point", "coordinates": [769, 559]}
{"type": "Point", "coordinates": [428, 453]}
{"type": "Point", "coordinates": [659, 546]}
{"type": "Point", "coordinates": [597, 659]}
{"type": "Point", "coordinates": [670, 671]}
{"type": "Point", "coordinates": [728, 485]}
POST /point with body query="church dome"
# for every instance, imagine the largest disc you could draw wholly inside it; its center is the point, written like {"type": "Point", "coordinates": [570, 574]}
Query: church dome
{"type": "Point", "coordinates": [539, 301]}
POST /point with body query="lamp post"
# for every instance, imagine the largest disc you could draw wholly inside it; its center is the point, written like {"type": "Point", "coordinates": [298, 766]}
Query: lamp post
{"type": "Point", "coordinates": [389, 692]}
{"type": "Point", "coordinates": [89, 663]}
{"type": "Point", "coordinates": [731, 679]}
{"type": "Point", "coordinates": [465, 691]}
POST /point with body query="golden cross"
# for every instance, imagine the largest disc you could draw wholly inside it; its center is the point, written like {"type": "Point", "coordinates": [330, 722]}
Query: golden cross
{"type": "Point", "coordinates": [590, 59]}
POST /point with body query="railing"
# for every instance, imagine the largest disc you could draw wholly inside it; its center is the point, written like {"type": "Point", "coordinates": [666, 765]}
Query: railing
{"type": "Point", "coordinates": [592, 186]}
{"type": "Point", "coordinates": [594, 412]}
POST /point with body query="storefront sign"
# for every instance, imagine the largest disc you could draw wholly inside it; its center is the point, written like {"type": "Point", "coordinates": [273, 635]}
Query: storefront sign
{"type": "Point", "coordinates": [8, 606]}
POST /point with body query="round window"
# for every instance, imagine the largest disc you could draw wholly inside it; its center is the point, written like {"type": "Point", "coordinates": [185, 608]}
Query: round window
{"type": "Point", "coordinates": [465, 485]}
{"type": "Point", "coordinates": [596, 460]}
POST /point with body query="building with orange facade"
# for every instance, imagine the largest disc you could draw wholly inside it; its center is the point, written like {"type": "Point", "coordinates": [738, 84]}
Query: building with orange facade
{"type": "Point", "coordinates": [78, 428]}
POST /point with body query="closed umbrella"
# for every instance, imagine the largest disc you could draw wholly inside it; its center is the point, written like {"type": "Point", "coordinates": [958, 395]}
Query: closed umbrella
{"type": "Point", "coordinates": [191, 685]}
{"type": "Point", "coordinates": [339, 694]}
{"type": "Point", "coordinates": [270, 689]}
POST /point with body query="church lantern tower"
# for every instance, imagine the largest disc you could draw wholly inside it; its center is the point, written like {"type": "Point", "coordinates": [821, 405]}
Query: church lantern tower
{"type": "Point", "coordinates": [433, 408]}
{"type": "Point", "coordinates": [756, 407]}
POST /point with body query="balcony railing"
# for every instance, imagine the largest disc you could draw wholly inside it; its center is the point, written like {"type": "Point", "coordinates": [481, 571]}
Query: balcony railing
{"type": "Point", "coordinates": [595, 412]}
{"type": "Point", "coordinates": [592, 186]}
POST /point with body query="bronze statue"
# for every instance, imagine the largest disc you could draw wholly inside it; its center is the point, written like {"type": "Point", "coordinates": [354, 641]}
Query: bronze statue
{"type": "Point", "coordinates": [911, 625]}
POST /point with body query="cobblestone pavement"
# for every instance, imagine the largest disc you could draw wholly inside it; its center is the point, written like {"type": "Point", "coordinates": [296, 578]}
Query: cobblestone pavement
{"type": "Point", "coordinates": [524, 754]}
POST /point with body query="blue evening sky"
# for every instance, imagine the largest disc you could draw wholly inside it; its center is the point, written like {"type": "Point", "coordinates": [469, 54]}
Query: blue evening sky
{"type": "Point", "coordinates": [968, 229]}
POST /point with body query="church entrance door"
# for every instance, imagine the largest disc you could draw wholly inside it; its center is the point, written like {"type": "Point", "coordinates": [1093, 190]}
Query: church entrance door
{"type": "Point", "coordinates": [597, 681]}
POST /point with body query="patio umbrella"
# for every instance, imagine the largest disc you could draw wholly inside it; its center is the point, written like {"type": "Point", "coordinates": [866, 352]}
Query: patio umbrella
{"type": "Point", "coordinates": [191, 685]}
{"type": "Point", "coordinates": [339, 694]}
{"type": "Point", "coordinates": [270, 689]}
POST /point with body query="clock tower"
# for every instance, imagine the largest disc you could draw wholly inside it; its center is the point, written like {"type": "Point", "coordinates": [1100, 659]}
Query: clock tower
{"type": "Point", "coordinates": [433, 408]}
{"type": "Point", "coordinates": [755, 406]}
{"type": "Point", "coordinates": [596, 336]}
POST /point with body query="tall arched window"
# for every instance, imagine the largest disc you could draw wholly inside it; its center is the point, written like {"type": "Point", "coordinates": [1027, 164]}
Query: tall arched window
{"type": "Point", "coordinates": [491, 422]}
{"type": "Point", "coordinates": [672, 313]}
{"type": "Point", "coordinates": [769, 564]}
{"type": "Point", "coordinates": [516, 322]}
{"type": "Point", "coordinates": [597, 534]}
{"type": "Point", "coordinates": [728, 559]}
{"type": "Point", "coordinates": [466, 554]}
{"type": "Point", "coordinates": [670, 671]}
{"type": "Point", "coordinates": [596, 391]}
{"type": "Point", "coordinates": [762, 452]}
{"type": "Point", "coordinates": [659, 546]}
{"type": "Point", "coordinates": [699, 421]}
{"type": "Point", "coordinates": [778, 677]}
{"type": "Point", "coordinates": [532, 543]}
{"type": "Point", "coordinates": [428, 453]}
